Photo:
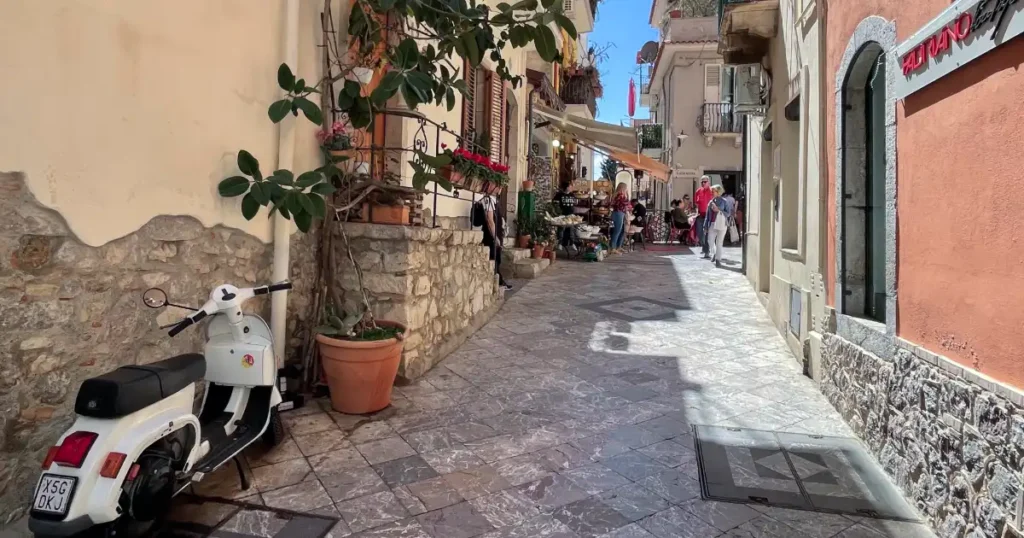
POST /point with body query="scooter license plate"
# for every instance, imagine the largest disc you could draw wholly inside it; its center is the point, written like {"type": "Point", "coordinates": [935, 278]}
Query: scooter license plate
{"type": "Point", "coordinates": [54, 494]}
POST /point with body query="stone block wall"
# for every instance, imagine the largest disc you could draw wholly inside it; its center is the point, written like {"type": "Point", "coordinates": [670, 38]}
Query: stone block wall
{"type": "Point", "coordinates": [69, 311]}
{"type": "Point", "coordinates": [438, 282]}
{"type": "Point", "coordinates": [952, 440]}
{"type": "Point", "coordinates": [542, 173]}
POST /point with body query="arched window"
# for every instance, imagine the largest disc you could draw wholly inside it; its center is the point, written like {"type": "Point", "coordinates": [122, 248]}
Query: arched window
{"type": "Point", "coordinates": [863, 186]}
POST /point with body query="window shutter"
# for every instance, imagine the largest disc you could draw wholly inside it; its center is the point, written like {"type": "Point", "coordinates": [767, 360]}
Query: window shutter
{"type": "Point", "coordinates": [497, 119]}
{"type": "Point", "coordinates": [712, 83]}
{"type": "Point", "coordinates": [468, 105]}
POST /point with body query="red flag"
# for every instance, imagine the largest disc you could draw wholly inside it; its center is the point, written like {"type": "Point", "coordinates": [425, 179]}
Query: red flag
{"type": "Point", "coordinates": [632, 98]}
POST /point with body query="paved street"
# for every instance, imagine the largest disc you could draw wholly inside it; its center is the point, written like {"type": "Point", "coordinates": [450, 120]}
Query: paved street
{"type": "Point", "coordinates": [568, 415]}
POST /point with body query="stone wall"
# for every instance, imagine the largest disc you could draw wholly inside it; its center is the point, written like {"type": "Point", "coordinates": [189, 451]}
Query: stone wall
{"type": "Point", "coordinates": [69, 311]}
{"type": "Point", "coordinates": [438, 282]}
{"type": "Point", "coordinates": [542, 173]}
{"type": "Point", "coordinates": [952, 440]}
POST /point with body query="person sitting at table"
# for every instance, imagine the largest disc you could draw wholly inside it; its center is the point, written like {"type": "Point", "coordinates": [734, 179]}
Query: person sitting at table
{"type": "Point", "coordinates": [681, 221]}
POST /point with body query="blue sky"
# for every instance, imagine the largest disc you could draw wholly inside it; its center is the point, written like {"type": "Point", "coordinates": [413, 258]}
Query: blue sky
{"type": "Point", "coordinates": [624, 23]}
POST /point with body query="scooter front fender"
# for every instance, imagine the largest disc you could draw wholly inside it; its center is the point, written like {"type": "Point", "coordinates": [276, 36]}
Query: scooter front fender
{"type": "Point", "coordinates": [95, 498]}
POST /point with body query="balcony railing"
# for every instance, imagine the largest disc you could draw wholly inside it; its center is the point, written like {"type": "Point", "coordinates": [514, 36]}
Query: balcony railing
{"type": "Point", "coordinates": [651, 136]}
{"type": "Point", "coordinates": [579, 90]}
{"type": "Point", "coordinates": [719, 118]}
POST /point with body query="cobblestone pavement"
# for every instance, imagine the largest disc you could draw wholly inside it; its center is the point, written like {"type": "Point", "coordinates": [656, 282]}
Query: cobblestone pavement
{"type": "Point", "coordinates": [568, 415]}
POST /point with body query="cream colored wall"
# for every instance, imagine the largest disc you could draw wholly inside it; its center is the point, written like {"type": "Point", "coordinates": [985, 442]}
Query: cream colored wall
{"type": "Point", "coordinates": [125, 110]}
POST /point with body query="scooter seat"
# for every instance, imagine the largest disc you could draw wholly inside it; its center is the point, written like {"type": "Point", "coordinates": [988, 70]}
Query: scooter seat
{"type": "Point", "coordinates": [131, 388]}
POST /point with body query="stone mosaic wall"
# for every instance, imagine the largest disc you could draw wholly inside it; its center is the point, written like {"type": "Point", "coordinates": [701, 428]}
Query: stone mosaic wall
{"type": "Point", "coordinates": [438, 282]}
{"type": "Point", "coordinates": [541, 173]}
{"type": "Point", "coordinates": [955, 446]}
{"type": "Point", "coordinates": [70, 311]}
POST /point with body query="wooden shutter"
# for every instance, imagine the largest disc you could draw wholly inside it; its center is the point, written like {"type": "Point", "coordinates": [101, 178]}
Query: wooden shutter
{"type": "Point", "coordinates": [497, 118]}
{"type": "Point", "coordinates": [468, 105]}
{"type": "Point", "coordinates": [713, 83]}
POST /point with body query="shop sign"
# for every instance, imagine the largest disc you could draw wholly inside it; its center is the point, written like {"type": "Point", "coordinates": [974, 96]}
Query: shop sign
{"type": "Point", "coordinates": [686, 173]}
{"type": "Point", "coordinates": [964, 31]}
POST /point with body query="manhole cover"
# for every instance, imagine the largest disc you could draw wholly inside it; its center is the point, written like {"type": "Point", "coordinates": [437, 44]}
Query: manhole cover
{"type": "Point", "coordinates": [198, 517]}
{"type": "Point", "coordinates": [804, 472]}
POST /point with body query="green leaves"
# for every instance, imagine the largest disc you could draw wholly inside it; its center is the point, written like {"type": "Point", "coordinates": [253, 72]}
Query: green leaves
{"type": "Point", "coordinates": [519, 36]}
{"type": "Point", "coordinates": [249, 165]}
{"type": "Point", "coordinates": [285, 78]}
{"type": "Point", "coordinates": [434, 161]}
{"type": "Point", "coordinates": [279, 109]}
{"type": "Point", "coordinates": [566, 24]}
{"type": "Point", "coordinates": [310, 110]}
{"type": "Point", "coordinates": [547, 48]}
{"type": "Point", "coordinates": [233, 186]}
{"type": "Point", "coordinates": [250, 206]}
{"type": "Point", "coordinates": [547, 3]}
{"type": "Point", "coordinates": [407, 54]}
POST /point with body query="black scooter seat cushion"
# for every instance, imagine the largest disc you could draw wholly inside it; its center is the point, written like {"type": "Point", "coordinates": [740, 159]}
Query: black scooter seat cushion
{"type": "Point", "coordinates": [131, 388]}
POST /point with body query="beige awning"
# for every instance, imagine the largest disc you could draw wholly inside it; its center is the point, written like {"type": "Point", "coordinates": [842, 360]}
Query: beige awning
{"type": "Point", "coordinates": [620, 143]}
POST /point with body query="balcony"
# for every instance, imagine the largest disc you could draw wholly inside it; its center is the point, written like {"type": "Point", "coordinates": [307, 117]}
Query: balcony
{"type": "Point", "coordinates": [720, 120]}
{"type": "Point", "coordinates": [745, 28]}
{"type": "Point", "coordinates": [651, 137]}
{"type": "Point", "coordinates": [581, 13]}
{"type": "Point", "coordinates": [581, 86]}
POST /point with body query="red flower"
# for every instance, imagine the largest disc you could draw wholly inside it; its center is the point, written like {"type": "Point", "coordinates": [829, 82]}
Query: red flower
{"type": "Point", "coordinates": [444, 146]}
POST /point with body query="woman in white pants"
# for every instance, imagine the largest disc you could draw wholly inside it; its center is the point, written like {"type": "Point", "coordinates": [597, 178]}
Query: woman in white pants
{"type": "Point", "coordinates": [719, 227]}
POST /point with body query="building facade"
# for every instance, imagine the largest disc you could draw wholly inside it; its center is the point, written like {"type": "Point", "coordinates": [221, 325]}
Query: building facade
{"type": "Point", "coordinates": [690, 93]}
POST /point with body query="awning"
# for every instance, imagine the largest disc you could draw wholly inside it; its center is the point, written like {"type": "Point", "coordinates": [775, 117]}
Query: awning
{"type": "Point", "coordinates": [618, 142]}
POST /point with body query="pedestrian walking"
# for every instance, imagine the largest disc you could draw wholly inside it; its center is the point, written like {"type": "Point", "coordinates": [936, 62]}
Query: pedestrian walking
{"type": "Point", "coordinates": [494, 232]}
{"type": "Point", "coordinates": [717, 222]}
{"type": "Point", "coordinates": [702, 198]}
{"type": "Point", "coordinates": [620, 206]}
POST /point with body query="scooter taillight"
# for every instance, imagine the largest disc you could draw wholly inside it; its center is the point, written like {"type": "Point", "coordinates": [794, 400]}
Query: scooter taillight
{"type": "Point", "coordinates": [50, 454]}
{"type": "Point", "coordinates": [112, 465]}
{"type": "Point", "coordinates": [74, 449]}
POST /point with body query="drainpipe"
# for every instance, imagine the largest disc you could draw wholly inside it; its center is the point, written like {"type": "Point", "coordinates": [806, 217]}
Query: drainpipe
{"type": "Point", "coordinates": [282, 226]}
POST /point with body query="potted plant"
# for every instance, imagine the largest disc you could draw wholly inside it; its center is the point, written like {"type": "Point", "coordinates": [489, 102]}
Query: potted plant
{"type": "Point", "coordinates": [524, 232]}
{"type": "Point", "coordinates": [360, 359]}
{"type": "Point", "coordinates": [336, 141]}
{"type": "Point", "coordinates": [386, 208]}
{"type": "Point", "coordinates": [538, 250]}
{"type": "Point", "coordinates": [528, 185]}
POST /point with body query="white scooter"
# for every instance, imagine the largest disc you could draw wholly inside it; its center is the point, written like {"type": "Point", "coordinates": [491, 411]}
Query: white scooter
{"type": "Point", "coordinates": [136, 442]}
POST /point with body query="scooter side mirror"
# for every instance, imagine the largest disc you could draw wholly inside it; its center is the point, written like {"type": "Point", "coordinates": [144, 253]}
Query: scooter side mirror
{"type": "Point", "coordinates": [155, 298]}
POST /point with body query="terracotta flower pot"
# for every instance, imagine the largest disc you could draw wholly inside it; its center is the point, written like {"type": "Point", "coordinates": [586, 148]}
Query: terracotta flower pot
{"type": "Point", "coordinates": [523, 241]}
{"type": "Point", "coordinates": [538, 252]}
{"type": "Point", "coordinates": [528, 185]}
{"type": "Point", "coordinates": [456, 178]}
{"type": "Point", "coordinates": [360, 374]}
{"type": "Point", "coordinates": [550, 254]}
{"type": "Point", "coordinates": [385, 214]}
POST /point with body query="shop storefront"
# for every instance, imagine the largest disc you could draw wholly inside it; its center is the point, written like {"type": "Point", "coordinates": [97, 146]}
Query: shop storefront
{"type": "Point", "coordinates": [922, 355]}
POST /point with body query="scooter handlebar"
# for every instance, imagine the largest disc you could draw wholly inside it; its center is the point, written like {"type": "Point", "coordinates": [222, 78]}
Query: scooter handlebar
{"type": "Point", "coordinates": [193, 319]}
{"type": "Point", "coordinates": [280, 286]}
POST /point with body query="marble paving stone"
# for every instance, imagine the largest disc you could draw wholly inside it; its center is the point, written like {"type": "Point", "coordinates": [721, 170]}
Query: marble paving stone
{"type": "Point", "coordinates": [371, 431]}
{"type": "Point", "coordinates": [312, 444]}
{"type": "Point", "coordinates": [405, 471]}
{"type": "Point", "coordinates": [763, 527]}
{"type": "Point", "coordinates": [477, 481]}
{"type": "Point", "coordinates": [543, 526]}
{"type": "Point", "coordinates": [458, 521]}
{"type": "Point", "coordinates": [505, 508]}
{"type": "Point", "coordinates": [470, 431]}
{"type": "Point", "coordinates": [430, 440]}
{"type": "Point", "coordinates": [633, 465]}
{"type": "Point", "coordinates": [634, 501]}
{"type": "Point", "coordinates": [522, 469]}
{"type": "Point", "coordinates": [412, 504]}
{"type": "Point", "coordinates": [635, 393]}
{"type": "Point", "coordinates": [677, 523]}
{"type": "Point", "coordinates": [405, 528]}
{"type": "Point", "coordinates": [286, 473]}
{"type": "Point", "coordinates": [255, 523]}
{"type": "Point", "coordinates": [634, 436]}
{"type": "Point", "coordinates": [629, 531]}
{"type": "Point", "coordinates": [595, 478]}
{"type": "Point", "coordinates": [387, 449]}
{"type": "Point", "coordinates": [345, 484]}
{"type": "Point", "coordinates": [590, 517]}
{"type": "Point", "coordinates": [552, 491]}
{"type": "Point", "coordinates": [896, 528]}
{"type": "Point", "coordinates": [371, 511]}
{"type": "Point", "coordinates": [444, 379]}
{"type": "Point", "coordinates": [672, 485]}
{"type": "Point", "coordinates": [670, 454]}
{"type": "Point", "coordinates": [565, 457]}
{"type": "Point", "coordinates": [305, 496]}
{"type": "Point", "coordinates": [337, 460]}
{"type": "Point", "coordinates": [447, 461]}
{"type": "Point", "coordinates": [497, 448]}
{"type": "Point", "coordinates": [666, 426]}
{"type": "Point", "coordinates": [437, 400]}
{"type": "Point", "coordinates": [600, 446]}
{"type": "Point", "coordinates": [513, 422]}
{"type": "Point", "coordinates": [339, 530]}
{"type": "Point", "coordinates": [722, 516]}
{"type": "Point", "coordinates": [311, 423]}
{"type": "Point", "coordinates": [434, 493]}
{"type": "Point", "coordinates": [637, 376]}
{"type": "Point", "coordinates": [259, 456]}
{"type": "Point", "coordinates": [815, 524]}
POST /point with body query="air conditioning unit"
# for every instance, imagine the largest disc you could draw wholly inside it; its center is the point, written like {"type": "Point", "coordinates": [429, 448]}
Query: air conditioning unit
{"type": "Point", "coordinates": [753, 85]}
{"type": "Point", "coordinates": [567, 6]}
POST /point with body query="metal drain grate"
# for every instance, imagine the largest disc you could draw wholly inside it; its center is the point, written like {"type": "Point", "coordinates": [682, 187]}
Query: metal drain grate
{"type": "Point", "coordinates": [804, 472]}
{"type": "Point", "coordinates": [199, 517]}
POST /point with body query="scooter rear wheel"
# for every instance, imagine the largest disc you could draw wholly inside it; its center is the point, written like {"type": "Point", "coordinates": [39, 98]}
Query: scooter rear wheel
{"type": "Point", "coordinates": [276, 432]}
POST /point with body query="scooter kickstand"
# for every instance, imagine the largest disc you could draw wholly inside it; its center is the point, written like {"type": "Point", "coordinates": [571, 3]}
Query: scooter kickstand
{"type": "Point", "coordinates": [241, 474]}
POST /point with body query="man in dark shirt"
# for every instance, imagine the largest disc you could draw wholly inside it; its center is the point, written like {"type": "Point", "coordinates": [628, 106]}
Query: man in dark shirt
{"type": "Point", "coordinates": [566, 201]}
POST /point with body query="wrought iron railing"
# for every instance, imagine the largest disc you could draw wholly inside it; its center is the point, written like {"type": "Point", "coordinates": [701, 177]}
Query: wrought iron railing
{"type": "Point", "coordinates": [651, 136]}
{"type": "Point", "coordinates": [718, 118]}
{"type": "Point", "coordinates": [579, 90]}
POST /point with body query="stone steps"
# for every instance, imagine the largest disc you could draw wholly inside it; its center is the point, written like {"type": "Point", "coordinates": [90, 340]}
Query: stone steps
{"type": "Point", "coordinates": [529, 268]}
